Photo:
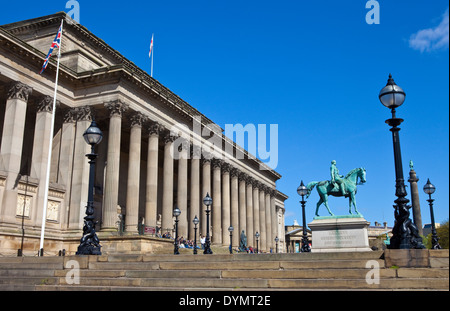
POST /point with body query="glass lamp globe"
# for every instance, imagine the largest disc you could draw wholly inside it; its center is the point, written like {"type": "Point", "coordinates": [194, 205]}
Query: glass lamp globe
{"type": "Point", "coordinates": [207, 200]}
{"type": "Point", "coordinates": [176, 212]}
{"type": "Point", "coordinates": [429, 188]}
{"type": "Point", "coordinates": [93, 135]}
{"type": "Point", "coordinates": [195, 221]}
{"type": "Point", "coordinates": [302, 190]}
{"type": "Point", "coordinates": [392, 95]}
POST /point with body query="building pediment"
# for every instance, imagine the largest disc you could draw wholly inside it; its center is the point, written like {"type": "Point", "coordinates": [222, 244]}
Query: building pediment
{"type": "Point", "coordinates": [81, 50]}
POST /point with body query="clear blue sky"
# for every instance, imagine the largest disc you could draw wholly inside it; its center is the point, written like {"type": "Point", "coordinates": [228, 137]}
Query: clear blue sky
{"type": "Point", "coordinates": [315, 68]}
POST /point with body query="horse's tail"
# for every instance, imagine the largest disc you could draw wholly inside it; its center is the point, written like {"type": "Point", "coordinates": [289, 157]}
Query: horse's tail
{"type": "Point", "coordinates": [310, 187]}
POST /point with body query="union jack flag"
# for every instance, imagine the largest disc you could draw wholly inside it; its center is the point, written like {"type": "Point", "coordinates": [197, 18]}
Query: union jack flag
{"type": "Point", "coordinates": [151, 48]}
{"type": "Point", "coordinates": [56, 43]}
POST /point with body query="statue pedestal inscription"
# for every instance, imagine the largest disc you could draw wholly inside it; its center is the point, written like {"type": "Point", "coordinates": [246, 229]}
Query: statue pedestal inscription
{"type": "Point", "coordinates": [339, 234]}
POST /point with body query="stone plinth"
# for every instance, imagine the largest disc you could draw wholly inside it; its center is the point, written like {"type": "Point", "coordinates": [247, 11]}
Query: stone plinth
{"type": "Point", "coordinates": [339, 234]}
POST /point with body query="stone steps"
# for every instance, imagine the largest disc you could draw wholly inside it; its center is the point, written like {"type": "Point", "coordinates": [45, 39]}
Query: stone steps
{"type": "Point", "coordinates": [291, 272]}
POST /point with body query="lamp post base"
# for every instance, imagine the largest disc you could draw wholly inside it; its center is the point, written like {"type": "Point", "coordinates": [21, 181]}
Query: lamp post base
{"type": "Point", "coordinates": [89, 250]}
{"type": "Point", "coordinates": [405, 234]}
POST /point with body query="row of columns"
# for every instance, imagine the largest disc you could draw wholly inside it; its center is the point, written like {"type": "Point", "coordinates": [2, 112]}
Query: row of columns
{"type": "Point", "coordinates": [238, 199]}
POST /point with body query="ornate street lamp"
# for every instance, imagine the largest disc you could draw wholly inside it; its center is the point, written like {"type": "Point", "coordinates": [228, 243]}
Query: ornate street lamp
{"type": "Point", "coordinates": [429, 189]}
{"type": "Point", "coordinates": [195, 221]}
{"type": "Point", "coordinates": [208, 202]}
{"type": "Point", "coordinates": [257, 235]}
{"type": "Point", "coordinates": [176, 213]}
{"type": "Point", "coordinates": [302, 191]}
{"type": "Point", "coordinates": [89, 244]}
{"type": "Point", "coordinates": [404, 234]}
{"type": "Point", "coordinates": [230, 229]}
{"type": "Point", "coordinates": [276, 244]}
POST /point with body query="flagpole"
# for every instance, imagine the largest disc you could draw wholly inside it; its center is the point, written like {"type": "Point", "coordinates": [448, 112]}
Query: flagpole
{"type": "Point", "coordinates": [151, 73]}
{"type": "Point", "coordinates": [50, 145]}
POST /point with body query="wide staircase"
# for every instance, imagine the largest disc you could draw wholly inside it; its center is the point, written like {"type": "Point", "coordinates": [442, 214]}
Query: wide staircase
{"type": "Point", "coordinates": [261, 272]}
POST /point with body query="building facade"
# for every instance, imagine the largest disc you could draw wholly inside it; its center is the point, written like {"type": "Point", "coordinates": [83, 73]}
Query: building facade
{"type": "Point", "coordinates": [157, 150]}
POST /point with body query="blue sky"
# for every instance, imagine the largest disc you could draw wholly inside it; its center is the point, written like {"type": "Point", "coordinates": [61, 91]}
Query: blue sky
{"type": "Point", "coordinates": [315, 68]}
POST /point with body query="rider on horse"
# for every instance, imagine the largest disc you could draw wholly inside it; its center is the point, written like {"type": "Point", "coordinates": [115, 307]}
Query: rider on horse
{"type": "Point", "coordinates": [336, 178]}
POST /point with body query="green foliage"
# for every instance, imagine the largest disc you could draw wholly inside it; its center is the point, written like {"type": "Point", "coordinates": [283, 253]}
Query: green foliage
{"type": "Point", "coordinates": [442, 233]}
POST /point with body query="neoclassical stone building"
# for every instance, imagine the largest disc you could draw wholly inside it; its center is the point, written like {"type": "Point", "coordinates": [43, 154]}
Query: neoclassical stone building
{"type": "Point", "coordinates": [138, 181]}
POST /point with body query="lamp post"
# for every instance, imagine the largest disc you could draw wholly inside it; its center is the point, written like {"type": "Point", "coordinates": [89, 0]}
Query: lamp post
{"type": "Point", "coordinates": [276, 244]}
{"type": "Point", "coordinates": [176, 213]}
{"type": "Point", "coordinates": [208, 202]}
{"type": "Point", "coordinates": [404, 234]}
{"type": "Point", "coordinates": [257, 235]}
{"type": "Point", "coordinates": [89, 244]}
{"type": "Point", "coordinates": [302, 191]}
{"type": "Point", "coordinates": [195, 221]}
{"type": "Point", "coordinates": [429, 189]}
{"type": "Point", "coordinates": [230, 230]}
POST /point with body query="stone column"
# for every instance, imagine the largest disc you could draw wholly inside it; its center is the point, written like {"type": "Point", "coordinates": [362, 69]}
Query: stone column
{"type": "Point", "coordinates": [39, 159]}
{"type": "Point", "coordinates": [66, 156]}
{"type": "Point", "coordinates": [80, 170]}
{"type": "Point", "coordinates": [242, 207]}
{"type": "Point", "coordinates": [206, 188]}
{"type": "Point", "coordinates": [417, 216]}
{"type": "Point", "coordinates": [182, 187]}
{"type": "Point", "coordinates": [269, 236]}
{"type": "Point", "coordinates": [226, 207]}
{"type": "Point", "coordinates": [250, 232]}
{"type": "Point", "coordinates": [273, 213]}
{"type": "Point", "coordinates": [216, 210]}
{"type": "Point", "coordinates": [167, 202]}
{"type": "Point", "coordinates": [151, 194]}
{"type": "Point", "coordinates": [256, 223]}
{"type": "Point", "coordinates": [235, 206]}
{"type": "Point", "coordinates": [111, 193]}
{"type": "Point", "coordinates": [134, 168]}
{"type": "Point", "coordinates": [11, 146]}
{"type": "Point", "coordinates": [195, 199]}
{"type": "Point", "coordinates": [262, 218]}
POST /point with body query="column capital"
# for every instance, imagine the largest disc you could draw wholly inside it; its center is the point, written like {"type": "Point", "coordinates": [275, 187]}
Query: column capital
{"type": "Point", "coordinates": [169, 138]}
{"type": "Point", "coordinates": [116, 107]}
{"type": "Point", "coordinates": [273, 192]}
{"type": "Point", "coordinates": [137, 118]}
{"type": "Point", "coordinates": [216, 163]}
{"type": "Point", "coordinates": [84, 113]}
{"type": "Point", "coordinates": [45, 104]}
{"type": "Point", "coordinates": [256, 184]}
{"type": "Point", "coordinates": [206, 157]}
{"type": "Point", "coordinates": [70, 115]}
{"type": "Point", "coordinates": [226, 167]}
{"type": "Point", "coordinates": [19, 90]}
{"type": "Point", "coordinates": [155, 128]}
{"type": "Point", "coordinates": [243, 176]}
{"type": "Point", "coordinates": [235, 172]}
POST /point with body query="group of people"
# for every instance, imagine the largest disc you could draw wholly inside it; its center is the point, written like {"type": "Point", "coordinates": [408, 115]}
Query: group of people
{"type": "Point", "coordinates": [181, 241]}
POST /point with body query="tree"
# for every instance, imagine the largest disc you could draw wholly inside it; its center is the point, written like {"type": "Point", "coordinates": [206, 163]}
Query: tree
{"type": "Point", "coordinates": [442, 233]}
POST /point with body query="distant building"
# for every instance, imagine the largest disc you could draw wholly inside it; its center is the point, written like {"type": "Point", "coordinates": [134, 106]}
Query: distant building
{"type": "Point", "coordinates": [377, 234]}
{"type": "Point", "coordinates": [294, 234]}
